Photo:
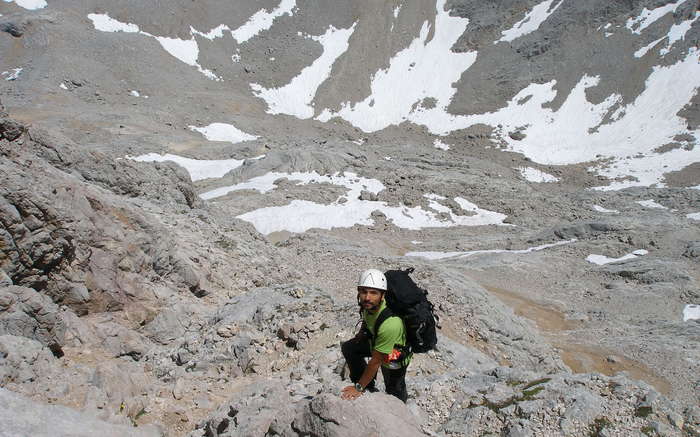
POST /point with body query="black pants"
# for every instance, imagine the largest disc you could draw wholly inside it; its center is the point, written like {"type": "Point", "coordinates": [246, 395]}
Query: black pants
{"type": "Point", "coordinates": [355, 352]}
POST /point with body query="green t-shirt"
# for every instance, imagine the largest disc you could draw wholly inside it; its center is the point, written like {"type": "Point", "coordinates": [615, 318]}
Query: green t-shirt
{"type": "Point", "coordinates": [391, 333]}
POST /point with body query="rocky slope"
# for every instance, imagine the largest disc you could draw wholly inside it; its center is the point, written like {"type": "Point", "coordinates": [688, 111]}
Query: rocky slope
{"type": "Point", "coordinates": [190, 190]}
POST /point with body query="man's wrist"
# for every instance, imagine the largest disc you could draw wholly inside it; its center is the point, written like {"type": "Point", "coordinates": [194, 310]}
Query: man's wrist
{"type": "Point", "coordinates": [359, 387]}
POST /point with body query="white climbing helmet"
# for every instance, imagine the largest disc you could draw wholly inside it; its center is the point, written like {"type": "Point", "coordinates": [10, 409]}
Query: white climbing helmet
{"type": "Point", "coordinates": [372, 278]}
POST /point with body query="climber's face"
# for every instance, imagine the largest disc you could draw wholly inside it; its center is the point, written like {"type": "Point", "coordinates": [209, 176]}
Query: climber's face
{"type": "Point", "coordinates": [370, 298]}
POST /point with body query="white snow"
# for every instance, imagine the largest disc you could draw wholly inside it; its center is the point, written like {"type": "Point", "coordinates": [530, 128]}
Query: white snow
{"type": "Point", "coordinates": [424, 71]}
{"type": "Point", "coordinates": [348, 210]}
{"type": "Point", "coordinates": [601, 209]}
{"type": "Point", "coordinates": [105, 23]}
{"type": "Point", "coordinates": [535, 175]}
{"type": "Point", "coordinates": [135, 93]}
{"type": "Point", "coordinates": [397, 9]}
{"type": "Point", "coordinates": [223, 132]}
{"type": "Point", "coordinates": [602, 260]}
{"type": "Point", "coordinates": [532, 21]}
{"type": "Point", "coordinates": [265, 183]}
{"type": "Point", "coordinates": [29, 4]}
{"type": "Point", "coordinates": [185, 50]}
{"type": "Point", "coordinates": [691, 312]}
{"type": "Point", "coordinates": [442, 255]}
{"type": "Point", "coordinates": [678, 32]}
{"type": "Point", "coordinates": [217, 32]}
{"type": "Point", "coordinates": [440, 145]}
{"type": "Point", "coordinates": [262, 20]}
{"type": "Point", "coordinates": [651, 204]}
{"type": "Point", "coordinates": [574, 132]}
{"type": "Point", "coordinates": [12, 75]}
{"type": "Point", "coordinates": [296, 97]}
{"type": "Point", "coordinates": [625, 145]}
{"type": "Point", "coordinates": [647, 17]}
{"type": "Point", "coordinates": [198, 169]}
{"type": "Point", "coordinates": [643, 51]}
{"type": "Point", "coordinates": [675, 34]}
{"type": "Point", "coordinates": [693, 215]}
{"type": "Point", "coordinates": [63, 86]}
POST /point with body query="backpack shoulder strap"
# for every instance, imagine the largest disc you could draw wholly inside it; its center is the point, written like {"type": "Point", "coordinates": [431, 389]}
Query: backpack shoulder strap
{"type": "Point", "coordinates": [385, 314]}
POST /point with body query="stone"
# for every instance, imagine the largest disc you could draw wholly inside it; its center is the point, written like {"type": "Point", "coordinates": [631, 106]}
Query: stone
{"type": "Point", "coordinates": [676, 419]}
{"type": "Point", "coordinates": [519, 429]}
{"type": "Point", "coordinates": [584, 409]}
{"type": "Point", "coordinates": [23, 360]}
{"type": "Point", "coordinates": [25, 312]}
{"type": "Point", "coordinates": [21, 416]}
{"type": "Point", "coordinates": [11, 129]}
{"type": "Point", "coordinates": [5, 280]}
{"type": "Point", "coordinates": [373, 413]}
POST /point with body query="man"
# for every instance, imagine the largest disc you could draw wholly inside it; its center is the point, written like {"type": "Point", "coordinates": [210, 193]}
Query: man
{"type": "Point", "coordinates": [384, 348]}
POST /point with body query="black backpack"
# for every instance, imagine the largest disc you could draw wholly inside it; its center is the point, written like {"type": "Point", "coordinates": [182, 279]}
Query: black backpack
{"type": "Point", "coordinates": [404, 298]}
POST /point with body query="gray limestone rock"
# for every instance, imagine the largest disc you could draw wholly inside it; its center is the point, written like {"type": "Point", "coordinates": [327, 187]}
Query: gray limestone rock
{"type": "Point", "coordinates": [257, 411]}
{"type": "Point", "coordinates": [329, 416]}
{"type": "Point", "coordinates": [649, 271]}
{"type": "Point", "coordinates": [692, 250]}
{"type": "Point", "coordinates": [11, 129]}
{"type": "Point", "coordinates": [23, 360]}
{"type": "Point", "coordinates": [26, 312]}
{"type": "Point", "coordinates": [581, 231]}
{"type": "Point", "coordinates": [20, 416]}
{"type": "Point", "coordinates": [584, 409]}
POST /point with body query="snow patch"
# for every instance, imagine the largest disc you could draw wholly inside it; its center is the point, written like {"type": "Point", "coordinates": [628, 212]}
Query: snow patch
{"type": "Point", "coordinates": [223, 132]}
{"type": "Point", "coordinates": [693, 216]}
{"type": "Point", "coordinates": [602, 260]}
{"type": "Point", "coordinates": [440, 145]}
{"type": "Point", "coordinates": [63, 86]}
{"type": "Point", "coordinates": [105, 23]}
{"type": "Point", "coordinates": [348, 210]}
{"type": "Point", "coordinates": [217, 32]}
{"type": "Point", "coordinates": [29, 4]}
{"type": "Point", "coordinates": [296, 97]}
{"type": "Point", "coordinates": [648, 17]}
{"type": "Point", "coordinates": [691, 312]}
{"type": "Point", "coordinates": [579, 131]}
{"type": "Point", "coordinates": [443, 255]}
{"type": "Point", "coordinates": [186, 51]}
{"type": "Point", "coordinates": [651, 204]}
{"type": "Point", "coordinates": [535, 175]}
{"type": "Point", "coordinates": [198, 169]}
{"type": "Point", "coordinates": [13, 74]}
{"type": "Point", "coordinates": [262, 20]}
{"type": "Point", "coordinates": [601, 209]}
{"type": "Point", "coordinates": [135, 93]}
{"type": "Point", "coordinates": [421, 73]}
{"type": "Point", "coordinates": [532, 21]}
{"type": "Point", "coordinates": [678, 32]}
{"type": "Point", "coordinates": [643, 51]}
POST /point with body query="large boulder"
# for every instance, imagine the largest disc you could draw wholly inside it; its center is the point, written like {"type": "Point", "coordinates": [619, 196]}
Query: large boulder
{"type": "Point", "coordinates": [28, 313]}
{"type": "Point", "coordinates": [23, 360]}
{"type": "Point", "coordinates": [327, 415]}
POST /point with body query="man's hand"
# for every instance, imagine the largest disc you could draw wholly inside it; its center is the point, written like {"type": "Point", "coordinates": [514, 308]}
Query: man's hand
{"type": "Point", "coordinates": [350, 392]}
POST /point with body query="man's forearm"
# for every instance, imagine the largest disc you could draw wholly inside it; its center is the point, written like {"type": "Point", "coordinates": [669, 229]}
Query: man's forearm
{"type": "Point", "coordinates": [370, 371]}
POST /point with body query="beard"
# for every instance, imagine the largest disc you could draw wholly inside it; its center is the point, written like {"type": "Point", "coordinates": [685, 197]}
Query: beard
{"type": "Point", "coordinates": [368, 306]}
